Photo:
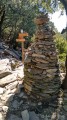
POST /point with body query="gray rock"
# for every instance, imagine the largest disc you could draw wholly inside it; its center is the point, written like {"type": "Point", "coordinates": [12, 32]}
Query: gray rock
{"type": "Point", "coordinates": [33, 116]}
{"type": "Point", "coordinates": [21, 95]}
{"type": "Point", "coordinates": [20, 71]}
{"type": "Point", "coordinates": [1, 116]}
{"type": "Point", "coordinates": [8, 79]}
{"type": "Point", "coordinates": [65, 107]}
{"type": "Point", "coordinates": [14, 117]}
{"type": "Point", "coordinates": [62, 117]}
{"type": "Point", "coordinates": [46, 118]}
{"type": "Point", "coordinates": [5, 67]}
{"type": "Point", "coordinates": [21, 102]}
{"type": "Point", "coordinates": [54, 116]}
{"type": "Point", "coordinates": [25, 115]}
{"type": "Point", "coordinates": [15, 104]}
{"type": "Point", "coordinates": [5, 108]}
{"type": "Point", "coordinates": [1, 90]}
{"type": "Point", "coordinates": [39, 103]}
{"type": "Point", "coordinates": [1, 109]}
{"type": "Point", "coordinates": [7, 97]}
{"type": "Point", "coordinates": [12, 85]}
{"type": "Point", "coordinates": [42, 116]}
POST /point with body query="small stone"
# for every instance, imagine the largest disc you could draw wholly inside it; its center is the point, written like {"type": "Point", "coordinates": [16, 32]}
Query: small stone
{"type": "Point", "coordinates": [29, 88]}
{"type": "Point", "coordinates": [11, 97]}
{"type": "Point", "coordinates": [5, 108]}
{"type": "Point", "coordinates": [1, 109]}
{"type": "Point", "coordinates": [25, 115]}
{"type": "Point", "coordinates": [15, 104]}
{"type": "Point", "coordinates": [33, 116]}
{"type": "Point", "coordinates": [1, 90]}
{"type": "Point", "coordinates": [25, 97]}
{"type": "Point", "coordinates": [21, 102]}
{"type": "Point", "coordinates": [60, 100]}
{"type": "Point", "coordinates": [21, 95]}
{"type": "Point", "coordinates": [39, 103]}
{"type": "Point", "coordinates": [42, 116]}
{"type": "Point", "coordinates": [65, 107]}
{"type": "Point", "coordinates": [54, 115]}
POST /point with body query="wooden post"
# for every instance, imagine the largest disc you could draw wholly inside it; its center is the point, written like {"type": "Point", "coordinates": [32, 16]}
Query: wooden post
{"type": "Point", "coordinates": [22, 40]}
{"type": "Point", "coordinates": [23, 52]}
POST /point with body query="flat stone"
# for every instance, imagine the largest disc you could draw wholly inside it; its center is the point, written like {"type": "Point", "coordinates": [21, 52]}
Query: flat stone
{"type": "Point", "coordinates": [25, 115]}
{"type": "Point", "coordinates": [40, 60]}
{"type": "Point", "coordinates": [5, 68]}
{"type": "Point", "coordinates": [36, 71]}
{"type": "Point", "coordinates": [44, 72]}
{"type": "Point", "coordinates": [28, 87]}
{"type": "Point", "coordinates": [27, 60]}
{"type": "Point", "coordinates": [33, 116]}
{"type": "Point", "coordinates": [8, 79]}
{"type": "Point", "coordinates": [12, 85]}
{"type": "Point", "coordinates": [1, 116]}
{"type": "Point", "coordinates": [1, 90]}
{"type": "Point", "coordinates": [51, 70]}
{"type": "Point", "coordinates": [38, 55]}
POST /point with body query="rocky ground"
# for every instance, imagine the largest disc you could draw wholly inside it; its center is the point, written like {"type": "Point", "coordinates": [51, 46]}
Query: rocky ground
{"type": "Point", "coordinates": [14, 102]}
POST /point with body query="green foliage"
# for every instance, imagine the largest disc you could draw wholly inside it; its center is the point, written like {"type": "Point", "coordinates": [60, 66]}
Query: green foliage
{"type": "Point", "coordinates": [18, 15]}
{"type": "Point", "coordinates": [61, 43]}
{"type": "Point", "coordinates": [62, 57]}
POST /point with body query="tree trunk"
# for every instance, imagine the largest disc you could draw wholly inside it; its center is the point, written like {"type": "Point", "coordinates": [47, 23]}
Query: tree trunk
{"type": "Point", "coordinates": [2, 19]}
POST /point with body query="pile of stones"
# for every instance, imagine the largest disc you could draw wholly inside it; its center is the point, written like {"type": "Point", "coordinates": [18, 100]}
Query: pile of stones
{"type": "Point", "coordinates": [15, 103]}
{"type": "Point", "coordinates": [41, 72]}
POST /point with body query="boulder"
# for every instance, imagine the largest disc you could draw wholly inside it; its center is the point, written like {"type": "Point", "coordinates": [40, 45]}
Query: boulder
{"type": "Point", "coordinates": [5, 68]}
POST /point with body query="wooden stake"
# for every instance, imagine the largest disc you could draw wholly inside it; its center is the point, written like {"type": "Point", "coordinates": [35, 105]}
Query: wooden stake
{"type": "Point", "coordinates": [22, 40]}
{"type": "Point", "coordinates": [22, 52]}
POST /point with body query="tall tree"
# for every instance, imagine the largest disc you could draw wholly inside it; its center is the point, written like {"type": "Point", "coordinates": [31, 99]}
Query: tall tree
{"type": "Point", "coordinates": [2, 15]}
{"type": "Point", "coordinates": [64, 85]}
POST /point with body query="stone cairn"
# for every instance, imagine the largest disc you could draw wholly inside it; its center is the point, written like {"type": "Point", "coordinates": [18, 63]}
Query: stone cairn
{"type": "Point", "coordinates": [41, 72]}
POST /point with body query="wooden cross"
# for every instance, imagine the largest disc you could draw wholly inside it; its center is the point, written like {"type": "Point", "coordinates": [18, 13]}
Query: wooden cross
{"type": "Point", "coordinates": [22, 40]}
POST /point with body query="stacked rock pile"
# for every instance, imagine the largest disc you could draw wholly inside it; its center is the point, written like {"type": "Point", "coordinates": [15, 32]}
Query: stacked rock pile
{"type": "Point", "coordinates": [41, 77]}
